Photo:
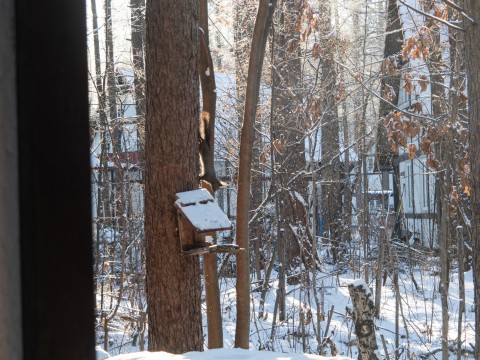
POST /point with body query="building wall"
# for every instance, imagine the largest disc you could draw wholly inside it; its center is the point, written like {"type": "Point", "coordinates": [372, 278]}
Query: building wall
{"type": "Point", "coordinates": [417, 185]}
{"type": "Point", "coordinates": [10, 302]}
{"type": "Point", "coordinates": [380, 191]}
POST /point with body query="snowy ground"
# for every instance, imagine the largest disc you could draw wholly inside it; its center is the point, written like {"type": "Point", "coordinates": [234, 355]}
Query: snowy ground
{"type": "Point", "coordinates": [420, 317]}
{"type": "Point", "coordinates": [221, 354]}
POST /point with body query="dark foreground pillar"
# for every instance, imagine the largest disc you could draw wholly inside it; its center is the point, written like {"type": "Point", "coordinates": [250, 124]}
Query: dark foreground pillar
{"type": "Point", "coordinates": [54, 173]}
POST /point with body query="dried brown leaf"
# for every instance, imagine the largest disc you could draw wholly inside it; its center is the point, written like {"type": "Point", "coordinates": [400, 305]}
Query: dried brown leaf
{"type": "Point", "coordinates": [408, 85]}
{"type": "Point", "coordinates": [417, 108]}
{"type": "Point", "coordinates": [263, 158]}
{"type": "Point", "coordinates": [423, 82]}
{"type": "Point", "coordinates": [411, 151]}
{"type": "Point", "coordinates": [467, 190]}
{"type": "Point", "coordinates": [389, 93]}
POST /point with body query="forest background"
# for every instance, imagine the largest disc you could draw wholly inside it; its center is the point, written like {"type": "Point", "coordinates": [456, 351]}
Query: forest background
{"type": "Point", "coordinates": [349, 91]}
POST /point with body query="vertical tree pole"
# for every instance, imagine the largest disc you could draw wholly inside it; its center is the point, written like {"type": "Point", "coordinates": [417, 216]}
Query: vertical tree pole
{"type": "Point", "coordinates": [260, 33]}
{"type": "Point", "coordinates": [461, 288]}
{"type": "Point", "coordinates": [472, 58]}
{"type": "Point", "coordinates": [379, 275]}
{"type": "Point", "coordinates": [137, 20]}
{"type": "Point", "coordinates": [211, 183]}
{"type": "Point", "coordinates": [171, 166]}
{"type": "Point", "coordinates": [330, 144]}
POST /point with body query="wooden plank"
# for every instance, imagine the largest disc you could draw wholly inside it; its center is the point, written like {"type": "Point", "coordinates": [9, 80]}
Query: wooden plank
{"type": "Point", "coordinates": [214, 249]}
{"type": "Point", "coordinates": [185, 233]}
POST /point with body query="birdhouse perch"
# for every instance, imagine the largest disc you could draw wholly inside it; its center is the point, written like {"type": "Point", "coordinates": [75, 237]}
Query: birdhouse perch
{"type": "Point", "coordinates": [198, 210]}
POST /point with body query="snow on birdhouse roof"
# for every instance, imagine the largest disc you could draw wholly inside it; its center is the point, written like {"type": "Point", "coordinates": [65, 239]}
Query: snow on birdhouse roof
{"type": "Point", "coordinates": [201, 210]}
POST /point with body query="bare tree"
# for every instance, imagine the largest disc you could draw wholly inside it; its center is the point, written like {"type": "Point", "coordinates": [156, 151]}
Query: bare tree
{"type": "Point", "coordinates": [207, 143]}
{"type": "Point", "coordinates": [472, 52]}
{"type": "Point", "coordinates": [287, 145]}
{"type": "Point", "coordinates": [260, 33]}
{"type": "Point", "coordinates": [331, 194]}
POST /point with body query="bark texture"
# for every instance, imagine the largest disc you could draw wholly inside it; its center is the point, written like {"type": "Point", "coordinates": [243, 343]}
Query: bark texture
{"type": "Point", "coordinates": [362, 315]}
{"type": "Point", "coordinates": [331, 187]}
{"type": "Point", "coordinates": [387, 158]}
{"type": "Point", "coordinates": [260, 33]}
{"type": "Point", "coordinates": [207, 143]}
{"type": "Point", "coordinates": [173, 281]}
{"type": "Point", "coordinates": [287, 144]}
{"type": "Point", "coordinates": [472, 59]}
{"type": "Point", "coordinates": [391, 52]}
{"type": "Point", "coordinates": [209, 102]}
{"type": "Point", "coordinates": [443, 148]}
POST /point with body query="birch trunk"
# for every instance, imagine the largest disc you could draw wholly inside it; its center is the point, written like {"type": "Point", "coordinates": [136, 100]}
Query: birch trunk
{"type": "Point", "coordinates": [362, 314]}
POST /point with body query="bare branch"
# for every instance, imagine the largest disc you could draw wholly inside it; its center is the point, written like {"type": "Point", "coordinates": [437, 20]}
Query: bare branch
{"type": "Point", "coordinates": [460, 10]}
{"type": "Point", "coordinates": [419, 116]}
{"type": "Point", "coordinates": [432, 16]}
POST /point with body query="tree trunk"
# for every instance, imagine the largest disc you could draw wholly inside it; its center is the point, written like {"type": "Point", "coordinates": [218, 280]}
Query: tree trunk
{"type": "Point", "coordinates": [347, 204]}
{"type": "Point", "coordinates": [331, 187]}
{"type": "Point", "coordinates": [365, 214]}
{"type": "Point", "coordinates": [362, 315]}
{"type": "Point", "coordinates": [244, 24]}
{"type": "Point", "coordinates": [173, 281]}
{"type": "Point", "coordinates": [461, 288]}
{"type": "Point", "coordinates": [207, 143]}
{"type": "Point", "coordinates": [472, 59]}
{"type": "Point", "coordinates": [101, 127]}
{"type": "Point", "coordinates": [137, 19]}
{"type": "Point", "coordinates": [387, 158]}
{"type": "Point", "coordinates": [443, 148]}
{"type": "Point", "coordinates": [379, 273]}
{"type": "Point", "coordinates": [260, 33]}
{"type": "Point", "coordinates": [289, 154]}
{"type": "Point", "coordinates": [286, 76]}
{"type": "Point", "coordinates": [116, 132]}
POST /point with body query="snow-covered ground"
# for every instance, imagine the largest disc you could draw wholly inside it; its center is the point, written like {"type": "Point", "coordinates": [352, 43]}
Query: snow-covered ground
{"type": "Point", "coordinates": [222, 354]}
{"type": "Point", "coordinates": [420, 316]}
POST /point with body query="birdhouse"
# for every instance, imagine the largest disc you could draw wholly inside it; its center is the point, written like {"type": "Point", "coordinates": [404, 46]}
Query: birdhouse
{"type": "Point", "coordinates": [198, 210]}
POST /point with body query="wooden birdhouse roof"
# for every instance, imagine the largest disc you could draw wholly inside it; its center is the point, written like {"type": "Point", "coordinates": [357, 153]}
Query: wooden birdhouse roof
{"type": "Point", "coordinates": [202, 211]}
